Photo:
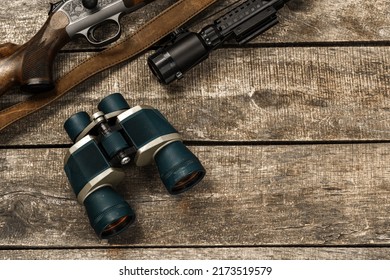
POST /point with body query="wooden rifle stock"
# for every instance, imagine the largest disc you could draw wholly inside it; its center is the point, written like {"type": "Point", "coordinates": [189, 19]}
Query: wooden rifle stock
{"type": "Point", "coordinates": [149, 34]}
{"type": "Point", "coordinates": [30, 65]}
{"type": "Point", "coordinates": [7, 49]}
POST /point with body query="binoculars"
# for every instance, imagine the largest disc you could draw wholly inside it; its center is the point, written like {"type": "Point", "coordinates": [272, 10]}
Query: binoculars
{"type": "Point", "coordinates": [113, 137]}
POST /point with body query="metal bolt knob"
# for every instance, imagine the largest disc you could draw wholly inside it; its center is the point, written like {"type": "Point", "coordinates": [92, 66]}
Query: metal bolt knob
{"type": "Point", "coordinates": [90, 4]}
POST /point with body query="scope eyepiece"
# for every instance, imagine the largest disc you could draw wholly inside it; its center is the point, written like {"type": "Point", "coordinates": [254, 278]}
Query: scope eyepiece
{"type": "Point", "coordinates": [171, 62]}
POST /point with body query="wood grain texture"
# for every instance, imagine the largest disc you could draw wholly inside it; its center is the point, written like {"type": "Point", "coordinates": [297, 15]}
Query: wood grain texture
{"type": "Point", "coordinates": [282, 253]}
{"type": "Point", "coordinates": [321, 75]}
{"type": "Point", "coordinates": [251, 94]}
{"type": "Point", "coordinates": [252, 196]}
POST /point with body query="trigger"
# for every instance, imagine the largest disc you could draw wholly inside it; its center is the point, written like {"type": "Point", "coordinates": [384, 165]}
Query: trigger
{"type": "Point", "coordinates": [91, 35]}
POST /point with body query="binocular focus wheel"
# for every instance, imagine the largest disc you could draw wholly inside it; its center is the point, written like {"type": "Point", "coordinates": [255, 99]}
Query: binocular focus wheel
{"type": "Point", "coordinates": [76, 124]}
{"type": "Point", "coordinates": [112, 103]}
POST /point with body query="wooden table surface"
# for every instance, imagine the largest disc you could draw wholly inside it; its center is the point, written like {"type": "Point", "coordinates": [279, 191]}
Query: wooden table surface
{"type": "Point", "coordinates": [292, 128]}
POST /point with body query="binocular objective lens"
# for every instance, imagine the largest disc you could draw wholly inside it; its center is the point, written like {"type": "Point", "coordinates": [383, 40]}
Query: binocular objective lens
{"type": "Point", "coordinates": [187, 181]}
{"type": "Point", "coordinates": [108, 212]}
{"type": "Point", "coordinates": [179, 168]}
{"type": "Point", "coordinates": [116, 227]}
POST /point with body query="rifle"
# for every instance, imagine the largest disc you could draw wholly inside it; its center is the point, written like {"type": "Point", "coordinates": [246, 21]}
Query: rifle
{"type": "Point", "coordinates": [187, 49]}
{"type": "Point", "coordinates": [31, 65]}
{"type": "Point", "coordinates": [142, 39]}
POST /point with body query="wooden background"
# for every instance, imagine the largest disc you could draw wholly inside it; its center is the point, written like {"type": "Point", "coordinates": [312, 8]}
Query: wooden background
{"type": "Point", "coordinates": [292, 128]}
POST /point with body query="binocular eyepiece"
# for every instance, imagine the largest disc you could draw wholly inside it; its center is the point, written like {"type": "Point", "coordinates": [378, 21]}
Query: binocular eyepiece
{"type": "Point", "coordinates": [113, 137]}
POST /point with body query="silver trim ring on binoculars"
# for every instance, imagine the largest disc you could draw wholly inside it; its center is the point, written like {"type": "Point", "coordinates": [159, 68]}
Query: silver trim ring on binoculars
{"type": "Point", "coordinates": [77, 146]}
{"type": "Point", "coordinates": [145, 154]}
{"type": "Point", "coordinates": [109, 177]}
{"type": "Point", "coordinates": [127, 113]}
{"type": "Point", "coordinates": [120, 114]}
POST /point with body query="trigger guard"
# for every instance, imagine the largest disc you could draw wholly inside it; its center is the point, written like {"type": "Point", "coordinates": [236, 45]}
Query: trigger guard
{"type": "Point", "coordinates": [89, 34]}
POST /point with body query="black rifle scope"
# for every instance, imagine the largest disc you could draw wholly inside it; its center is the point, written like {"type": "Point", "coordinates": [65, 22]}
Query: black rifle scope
{"type": "Point", "coordinates": [187, 49]}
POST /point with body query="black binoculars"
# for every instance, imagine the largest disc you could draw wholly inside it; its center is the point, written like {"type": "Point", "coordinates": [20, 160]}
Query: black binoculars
{"type": "Point", "coordinates": [185, 49]}
{"type": "Point", "coordinates": [113, 137]}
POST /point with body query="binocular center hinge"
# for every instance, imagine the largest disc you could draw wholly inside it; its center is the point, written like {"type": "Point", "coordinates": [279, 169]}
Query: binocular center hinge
{"type": "Point", "coordinates": [123, 156]}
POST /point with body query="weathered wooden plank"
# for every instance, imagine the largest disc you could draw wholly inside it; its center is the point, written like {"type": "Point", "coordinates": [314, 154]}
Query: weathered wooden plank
{"type": "Point", "coordinates": [253, 94]}
{"type": "Point", "coordinates": [316, 195]}
{"type": "Point", "coordinates": [301, 21]}
{"type": "Point", "coordinates": [283, 253]}
{"type": "Point", "coordinates": [252, 196]}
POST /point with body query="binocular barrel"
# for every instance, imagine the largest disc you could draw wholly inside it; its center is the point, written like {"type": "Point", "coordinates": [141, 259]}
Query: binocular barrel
{"type": "Point", "coordinates": [188, 49]}
{"type": "Point", "coordinates": [115, 136]}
